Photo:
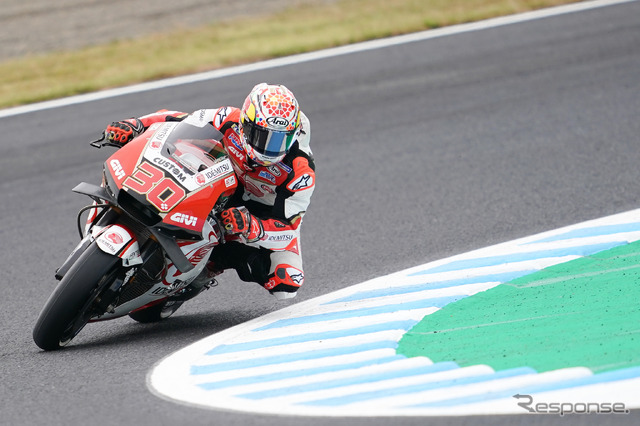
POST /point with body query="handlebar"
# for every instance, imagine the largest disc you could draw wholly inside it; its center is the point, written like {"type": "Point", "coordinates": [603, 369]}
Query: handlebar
{"type": "Point", "coordinates": [98, 143]}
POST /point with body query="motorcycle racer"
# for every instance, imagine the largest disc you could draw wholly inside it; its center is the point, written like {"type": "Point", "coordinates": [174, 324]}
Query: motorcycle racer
{"type": "Point", "coordinates": [267, 140]}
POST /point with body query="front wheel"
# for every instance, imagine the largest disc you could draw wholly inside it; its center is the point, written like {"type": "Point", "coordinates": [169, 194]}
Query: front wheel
{"type": "Point", "coordinates": [70, 306]}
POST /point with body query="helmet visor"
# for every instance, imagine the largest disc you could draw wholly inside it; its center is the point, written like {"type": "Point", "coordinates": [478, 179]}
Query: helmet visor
{"type": "Point", "coordinates": [270, 143]}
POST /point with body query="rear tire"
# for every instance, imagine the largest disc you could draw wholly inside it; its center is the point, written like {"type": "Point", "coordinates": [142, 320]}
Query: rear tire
{"type": "Point", "coordinates": [69, 307]}
{"type": "Point", "coordinates": [157, 312]}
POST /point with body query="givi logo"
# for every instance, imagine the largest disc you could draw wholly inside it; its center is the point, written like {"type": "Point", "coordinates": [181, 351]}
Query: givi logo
{"type": "Point", "coordinates": [117, 169]}
{"type": "Point", "coordinates": [184, 218]}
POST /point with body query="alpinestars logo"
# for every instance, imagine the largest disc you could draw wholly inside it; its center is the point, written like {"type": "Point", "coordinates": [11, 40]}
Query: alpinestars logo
{"type": "Point", "coordinates": [302, 182]}
{"type": "Point", "coordinates": [297, 278]}
{"type": "Point", "coordinates": [221, 115]}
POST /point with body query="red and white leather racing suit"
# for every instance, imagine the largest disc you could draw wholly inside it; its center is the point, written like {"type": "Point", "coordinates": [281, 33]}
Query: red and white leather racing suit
{"type": "Point", "coordinates": [278, 195]}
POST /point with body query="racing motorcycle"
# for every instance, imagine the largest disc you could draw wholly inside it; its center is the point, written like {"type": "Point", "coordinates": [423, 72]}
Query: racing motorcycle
{"type": "Point", "coordinates": [149, 231]}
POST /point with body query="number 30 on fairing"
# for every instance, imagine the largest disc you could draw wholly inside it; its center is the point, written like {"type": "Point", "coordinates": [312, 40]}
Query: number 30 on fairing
{"type": "Point", "coordinates": [162, 192]}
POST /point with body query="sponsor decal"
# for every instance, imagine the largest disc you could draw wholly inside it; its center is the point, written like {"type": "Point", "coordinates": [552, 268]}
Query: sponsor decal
{"type": "Point", "coordinates": [171, 167]}
{"type": "Point", "coordinates": [280, 238]}
{"type": "Point", "coordinates": [156, 145]}
{"type": "Point", "coordinates": [198, 118]}
{"type": "Point", "coordinates": [162, 192]}
{"type": "Point", "coordinates": [161, 291]}
{"type": "Point", "coordinates": [277, 121]}
{"type": "Point", "coordinates": [162, 133]}
{"type": "Point", "coordinates": [302, 182]}
{"type": "Point", "coordinates": [270, 284]}
{"type": "Point", "coordinates": [253, 189]}
{"type": "Point", "coordinates": [184, 218]}
{"type": "Point", "coordinates": [237, 154]}
{"type": "Point", "coordinates": [134, 254]}
{"type": "Point", "coordinates": [109, 247]}
{"type": "Point", "coordinates": [284, 167]}
{"type": "Point", "coordinates": [117, 169]}
{"type": "Point", "coordinates": [233, 137]}
{"type": "Point", "coordinates": [214, 172]}
{"type": "Point", "coordinates": [230, 181]}
{"type": "Point", "coordinates": [267, 176]}
{"type": "Point", "coordinates": [115, 238]}
{"type": "Point", "coordinates": [275, 170]}
{"type": "Point", "coordinates": [267, 188]}
{"type": "Point", "coordinates": [112, 240]}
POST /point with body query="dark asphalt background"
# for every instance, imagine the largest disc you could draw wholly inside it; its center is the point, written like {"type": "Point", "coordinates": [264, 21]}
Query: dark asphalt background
{"type": "Point", "coordinates": [423, 151]}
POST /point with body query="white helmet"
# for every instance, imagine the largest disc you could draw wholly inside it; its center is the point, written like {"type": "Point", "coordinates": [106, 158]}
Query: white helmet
{"type": "Point", "coordinates": [270, 119]}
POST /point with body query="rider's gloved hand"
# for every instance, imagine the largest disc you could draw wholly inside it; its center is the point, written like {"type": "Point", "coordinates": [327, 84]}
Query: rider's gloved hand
{"type": "Point", "coordinates": [238, 221]}
{"type": "Point", "coordinates": [124, 131]}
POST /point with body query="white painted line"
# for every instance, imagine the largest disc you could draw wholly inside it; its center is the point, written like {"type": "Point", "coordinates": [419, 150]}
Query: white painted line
{"type": "Point", "coordinates": [339, 324]}
{"type": "Point", "coordinates": [312, 56]}
{"type": "Point", "coordinates": [382, 387]}
{"type": "Point", "coordinates": [393, 367]}
{"type": "Point", "coordinates": [476, 389]}
{"type": "Point", "coordinates": [281, 369]}
{"type": "Point", "coordinates": [289, 350]}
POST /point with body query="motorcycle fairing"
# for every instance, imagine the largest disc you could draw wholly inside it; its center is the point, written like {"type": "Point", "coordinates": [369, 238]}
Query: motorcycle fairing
{"type": "Point", "coordinates": [173, 175]}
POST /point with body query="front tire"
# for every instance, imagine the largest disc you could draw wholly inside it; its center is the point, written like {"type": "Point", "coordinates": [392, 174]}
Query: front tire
{"type": "Point", "coordinates": [69, 307]}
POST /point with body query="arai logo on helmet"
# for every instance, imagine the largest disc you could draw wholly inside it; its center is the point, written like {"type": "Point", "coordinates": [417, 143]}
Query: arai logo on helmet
{"type": "Point", "coordinates": [277, 121]}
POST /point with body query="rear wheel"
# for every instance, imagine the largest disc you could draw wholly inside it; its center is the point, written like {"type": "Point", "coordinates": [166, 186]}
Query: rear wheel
{"type": "Point", "coordinates": [157, 312]}
{"type": "Point", "coordinates": [71, 304]}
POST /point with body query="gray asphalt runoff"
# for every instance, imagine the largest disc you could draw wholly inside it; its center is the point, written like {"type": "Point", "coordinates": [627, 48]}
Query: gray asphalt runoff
{"type": "Point", "coordinates": [423, 151]}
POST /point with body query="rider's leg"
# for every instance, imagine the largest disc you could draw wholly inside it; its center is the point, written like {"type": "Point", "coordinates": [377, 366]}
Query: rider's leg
{"type": "Point", "coordinates": [280, 272]}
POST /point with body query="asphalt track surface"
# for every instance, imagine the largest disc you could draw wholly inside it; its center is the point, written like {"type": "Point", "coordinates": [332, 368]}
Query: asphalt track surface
{"type": "Point", "coordinates": [424, 150]}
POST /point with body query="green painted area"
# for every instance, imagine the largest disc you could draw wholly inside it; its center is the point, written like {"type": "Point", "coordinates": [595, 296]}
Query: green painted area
{"type": "Point", "coordinates": [580, 313]}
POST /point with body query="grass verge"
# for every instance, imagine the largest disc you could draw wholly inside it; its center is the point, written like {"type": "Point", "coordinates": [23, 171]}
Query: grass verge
{"type": "Point", "coordinates": [59, 74]}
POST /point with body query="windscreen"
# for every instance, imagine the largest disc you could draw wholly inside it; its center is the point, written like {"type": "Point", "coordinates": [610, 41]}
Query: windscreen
{"type": "Point", "coordinates": [195, 148]}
